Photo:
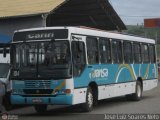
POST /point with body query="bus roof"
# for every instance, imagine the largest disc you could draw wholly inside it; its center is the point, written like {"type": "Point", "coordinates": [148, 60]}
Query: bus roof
{"type": "Point", "coordinates": [95, 32]}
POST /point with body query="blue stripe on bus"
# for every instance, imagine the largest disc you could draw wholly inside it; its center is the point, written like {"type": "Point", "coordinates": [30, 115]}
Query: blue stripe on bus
{"type": "Point", "coordinates": [115, 73]}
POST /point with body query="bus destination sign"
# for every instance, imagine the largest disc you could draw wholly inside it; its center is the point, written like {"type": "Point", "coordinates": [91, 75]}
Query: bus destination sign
{"type": "Point", "coordinates": [41, 35]}
{"type": "Point", "coordinates": [33, 36]}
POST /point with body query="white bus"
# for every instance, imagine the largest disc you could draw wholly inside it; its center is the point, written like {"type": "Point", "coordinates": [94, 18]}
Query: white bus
{"type": "Point", "coordinates": [77, 65]}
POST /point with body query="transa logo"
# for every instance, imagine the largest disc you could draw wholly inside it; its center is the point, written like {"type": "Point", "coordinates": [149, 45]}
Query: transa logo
{"type": "Point", "coordinates": [99, 73]}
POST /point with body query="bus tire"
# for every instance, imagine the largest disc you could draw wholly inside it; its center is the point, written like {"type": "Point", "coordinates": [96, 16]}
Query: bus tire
{"type": "Point", "coordinates": [40, 108]}
{"type": "Point", "coordinates": [138, 93]}
{"type": "Point", "coordinates": [88, 105]}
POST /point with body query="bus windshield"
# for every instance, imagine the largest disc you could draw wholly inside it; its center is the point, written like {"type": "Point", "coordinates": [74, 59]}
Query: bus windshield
{"type": "Point", "coordinates": [4, 69]}
{"type": "Point", "coordinates": [45, 60]}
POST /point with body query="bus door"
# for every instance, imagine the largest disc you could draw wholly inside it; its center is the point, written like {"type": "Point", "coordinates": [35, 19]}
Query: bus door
{"type": "Point", "coordinates": [78, 61]}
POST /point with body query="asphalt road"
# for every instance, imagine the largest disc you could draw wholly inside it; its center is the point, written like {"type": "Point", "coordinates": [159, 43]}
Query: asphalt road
{"type": "Point", "coordinates": [150, 104]}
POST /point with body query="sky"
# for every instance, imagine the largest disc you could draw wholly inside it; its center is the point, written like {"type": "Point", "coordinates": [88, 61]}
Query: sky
{"type": "Point", "coordinates": [133, 12]}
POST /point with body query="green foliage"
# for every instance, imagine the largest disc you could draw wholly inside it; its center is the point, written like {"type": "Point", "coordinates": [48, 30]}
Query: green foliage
{"type": "Point", "coordinates": [139, 30]}
{"type": "Point", "coordinates": [158, 51]}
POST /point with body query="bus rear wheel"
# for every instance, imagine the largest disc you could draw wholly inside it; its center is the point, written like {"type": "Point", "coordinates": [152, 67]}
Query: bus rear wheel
{"type": "Point", "coordinates": [40, 108]}
{"type": "Point", "coordinates": [138, 93]}
{"type": "Point", "coordinates": [88, 105]}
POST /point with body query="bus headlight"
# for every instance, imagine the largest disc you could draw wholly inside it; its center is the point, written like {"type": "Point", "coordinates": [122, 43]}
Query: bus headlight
{"type": "Point", "coordinates": [17, 91]}
{"type": "Point", "coordinates": [18, 83]}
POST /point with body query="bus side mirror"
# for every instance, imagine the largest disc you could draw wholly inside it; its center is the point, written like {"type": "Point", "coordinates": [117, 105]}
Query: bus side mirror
{"type": "Point", "coordinates": [4, 52]}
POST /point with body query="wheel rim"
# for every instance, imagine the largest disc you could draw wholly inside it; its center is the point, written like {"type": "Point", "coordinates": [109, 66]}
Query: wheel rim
{"type": "Point", "coordinates": [90, 99]}
{"type": "Point", "coordinates": [139, 91]}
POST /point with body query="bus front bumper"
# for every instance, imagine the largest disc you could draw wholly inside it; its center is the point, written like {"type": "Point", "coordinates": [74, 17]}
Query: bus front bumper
{"type": "Point", "coordinates": [50, 100]}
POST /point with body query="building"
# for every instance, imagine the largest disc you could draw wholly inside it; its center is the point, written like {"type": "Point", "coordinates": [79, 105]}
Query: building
{"type": "Point", "coordinates": [21, 14]}
{"type": "Point", "coordinates": [152, 23]}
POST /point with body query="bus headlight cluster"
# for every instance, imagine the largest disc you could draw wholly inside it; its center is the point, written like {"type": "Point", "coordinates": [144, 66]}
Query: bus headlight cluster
{"type": "Point", "coordinates": [18, 83]}
{"type": "Point", "coordinates": [17, 91]}
{"type": "Point", "coordinates": [64, 91]}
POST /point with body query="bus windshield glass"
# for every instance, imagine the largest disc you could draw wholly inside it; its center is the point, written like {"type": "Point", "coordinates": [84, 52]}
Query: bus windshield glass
{"type": "Point", "coordinates": [45, 60]}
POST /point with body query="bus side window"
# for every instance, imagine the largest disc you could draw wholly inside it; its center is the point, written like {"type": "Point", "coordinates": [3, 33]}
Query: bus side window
{"type": "Point", "coordinates": [127, 48]}
{"type": "Point", "coordinates": [137, 53]}
{"type": "Point", "coordinates": [152, 53]}
{"type": "Point", "coordinates": [92, 50]}
{"type": "Point", "coordinates": [79, 59]}
{"type": "Point", "coordinates": [117, 51]}
{"type": "Point", "coordinates": [145, 53]}
{"type": "Point", "coordinates": [105, 50]}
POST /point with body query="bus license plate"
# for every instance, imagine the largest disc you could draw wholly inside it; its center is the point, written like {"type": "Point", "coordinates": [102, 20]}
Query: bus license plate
{"type": "Point", "coordinates": [37, 100]}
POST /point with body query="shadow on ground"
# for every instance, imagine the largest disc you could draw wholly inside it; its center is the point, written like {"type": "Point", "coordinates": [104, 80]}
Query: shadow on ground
{"type": "Point", "coordinates": [76, 109]}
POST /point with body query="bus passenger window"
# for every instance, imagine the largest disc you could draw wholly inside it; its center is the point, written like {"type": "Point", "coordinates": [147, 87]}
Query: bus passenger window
{"type": "Point", "coordinates": [152, 53]}
{"type": "Point", "coordinates": [105, 50]}
{"type": "Point", "coordinates": [92, 50]}
{"type": "Point", "coordinates": [117, 51]}
{"type": "Point", "coordinates": [127, 48]}
{"type": "Point", "coordinates": [137, 53]}
{"type": "Point", "coordinates": [145, 53]}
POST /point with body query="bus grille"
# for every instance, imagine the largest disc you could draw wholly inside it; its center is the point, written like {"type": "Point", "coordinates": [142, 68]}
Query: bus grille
{"type": "Point", "coordinates": [37, 84]}
{"type": "Point", "coordinates": [38, 91]}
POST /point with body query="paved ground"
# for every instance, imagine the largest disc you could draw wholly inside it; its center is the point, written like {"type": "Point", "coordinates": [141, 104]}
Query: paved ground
{"type": "Point", "coordinates": [150, 104]}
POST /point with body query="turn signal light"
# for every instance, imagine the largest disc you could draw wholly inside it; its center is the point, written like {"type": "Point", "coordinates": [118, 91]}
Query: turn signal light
{"type": "Point", "coordinates": [67, 91]}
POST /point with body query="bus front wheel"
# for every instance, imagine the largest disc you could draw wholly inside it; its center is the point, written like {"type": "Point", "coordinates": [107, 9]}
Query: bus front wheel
{"type": "Point", "coordinates": [40, 108]}
{"type": "Point", "coordinates": [88, 105]}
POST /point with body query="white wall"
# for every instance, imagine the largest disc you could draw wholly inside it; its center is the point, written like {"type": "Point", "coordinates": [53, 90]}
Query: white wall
{"type": "Point", "coordinates": [4, 60]}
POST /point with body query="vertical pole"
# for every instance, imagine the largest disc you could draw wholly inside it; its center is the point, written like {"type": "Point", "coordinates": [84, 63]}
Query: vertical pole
{"type": "Point", "coordinates": [156, 38]}
{"type": "Point", "coordinates": [44, 17]}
